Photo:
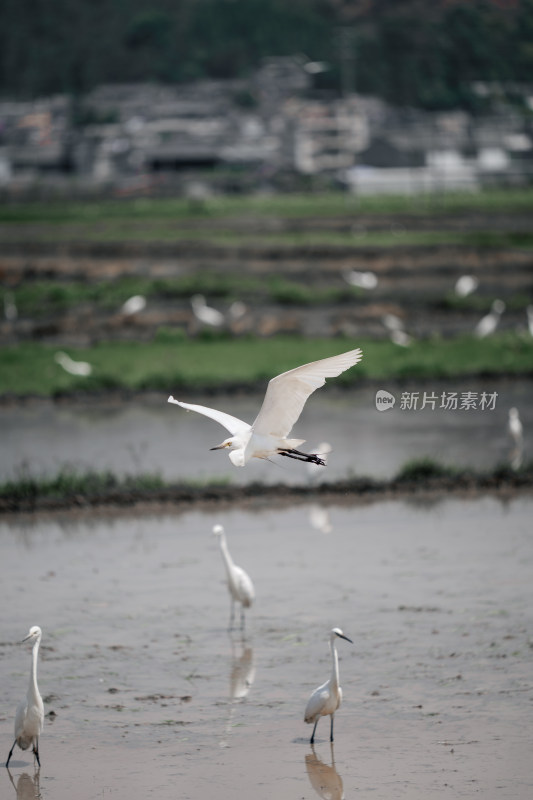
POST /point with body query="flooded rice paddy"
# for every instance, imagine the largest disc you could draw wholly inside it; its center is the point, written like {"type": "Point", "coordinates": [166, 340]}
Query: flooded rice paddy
{"type": "Point", "coordinates": [151, 697]}
{"type": "Point", "coordinates": [149, 435]}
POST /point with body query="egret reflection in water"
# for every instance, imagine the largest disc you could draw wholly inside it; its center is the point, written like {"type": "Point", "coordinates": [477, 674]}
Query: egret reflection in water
{"type": "Point", "coordinates": [241, 679]}
{"type": "Point", "coordinates": [324, 778]}
{"type": "Point", "coordinates": [26, 787]}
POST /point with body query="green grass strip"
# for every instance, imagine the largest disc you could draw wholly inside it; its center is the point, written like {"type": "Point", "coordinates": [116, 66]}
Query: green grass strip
{"type": "Point", "coordinates": [173, 362]}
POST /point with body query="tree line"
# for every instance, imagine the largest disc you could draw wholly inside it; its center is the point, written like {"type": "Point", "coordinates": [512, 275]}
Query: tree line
{"type": "Point", "coordinates": [409, 52]}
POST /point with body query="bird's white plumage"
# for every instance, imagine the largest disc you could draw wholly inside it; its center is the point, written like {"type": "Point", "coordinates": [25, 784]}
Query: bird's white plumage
{"type": "Point", "coordinates": [282, 405]}
{"type": "Point", "coordinates": [327, 697]}
{"type": "Point", "coordinates": [240, 584]}
{"type": "Point", "coordinates": [232, 424]}
{"type": "Point", "coordinates": [287, 393]}
{"type": "Point", "coordinates": [29, 716]}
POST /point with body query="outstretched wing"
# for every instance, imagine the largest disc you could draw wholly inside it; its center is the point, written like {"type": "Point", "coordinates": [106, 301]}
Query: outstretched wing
{"type": "Point", "coordinates": [287, 393]}
{"type": "Point", "coordinates": [232, 424]}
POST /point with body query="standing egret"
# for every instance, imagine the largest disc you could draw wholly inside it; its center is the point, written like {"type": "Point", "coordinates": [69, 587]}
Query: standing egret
{"type": "Point", "coordinates": [363, 280]}
{"type": "Point", "coordinates": [465, 285]}
{"type": "Point", "coordinates": [529, 312]}
{"type": "Point", "coordinates": [488, 324]}
{"type": "Point", "coordinates": [284, 400]}
{"type": "Point", "coordinates": [240, 584]}
{"type": "Point", "coordinates": [515, 427]}
{"type": "Point", "coordinates": [82, 368]}
{"type": "Point", "coordinates": [29, 717]}
{"type": "Point", "coordinates": [327, 698]}
{"type": "Point", "coordinates": [204, 313]}
{"type": "Point", "coordinates": [133, 305]}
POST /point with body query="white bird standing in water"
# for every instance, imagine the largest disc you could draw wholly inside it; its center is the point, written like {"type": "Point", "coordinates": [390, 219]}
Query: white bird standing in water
{"type": "Point", "coordinates": [29, 717]}
{"type": "Point", "coordinates": [363, 280]}
{"type": "Point", "coordinates": [133, 305]}
{"type": "Point", "coordinates": [488, 324]}
{"type": "Point", "coordinates": [284, 400]}
{"type": "Point", "coordinates": [240, 584]}
{"type": "Point", "coordinates": [515, 427]}
{"type": "Point", "coordinates": [82, 368]}
{"type": "Point", "coordinates": [327, 698]}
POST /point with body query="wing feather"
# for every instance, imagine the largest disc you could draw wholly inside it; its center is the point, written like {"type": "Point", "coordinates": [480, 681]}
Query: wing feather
{"type": "Point", "coordinates": [233, 424]}
{"type": "Point", "coordinates": [287, 393]}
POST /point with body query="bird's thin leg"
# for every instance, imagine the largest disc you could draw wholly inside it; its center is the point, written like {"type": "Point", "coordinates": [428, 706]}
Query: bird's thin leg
{"type": "Point", "coordinates": [299, 456]}
{"type": "Point", "coordinates": [10, 753]}
{"type": "Point", "coordinates": [331, 729]}
{"type": "Point", "coordinates": [243, 622]}
{"type": "Point", "coordinates": [232, 615]}
{"type": "Point", "coordinates": [312, 739]}
{"type": "Point", "coordinates": [36, 752]}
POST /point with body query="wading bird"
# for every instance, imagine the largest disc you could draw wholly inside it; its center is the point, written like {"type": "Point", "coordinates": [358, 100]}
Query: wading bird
{"type": "Point", "coordinates": [284, 400]}
{"type": "Point", "coordinates": [82, 368]}
{"type": "Point", "coordinates": [29, 717]}
{"type": "Point", "coordinates": [363, 280]}
{"type": "Point", "coordinates": [240, 584]}
{"type": "Point", "coordinates": [488, 324]}
{"type": "Point", "coordinates": [204, 313]}
{"type": "Point", "coordinates": [465, 285]}
{"type": "Point", "coordinates": [327, 698]}
{"type": "Point", "coordinates": [133, 305]}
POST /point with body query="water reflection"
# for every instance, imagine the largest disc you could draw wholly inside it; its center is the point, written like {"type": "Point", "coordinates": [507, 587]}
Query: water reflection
{"type": "Point", "coordinates": [26, 787]}
{"type": "Point", "coordinates": [319, 518]}
{"type": "Point", "coordinates": [324, 779]}
{"type": "Point", "coordinates": [241, 679]}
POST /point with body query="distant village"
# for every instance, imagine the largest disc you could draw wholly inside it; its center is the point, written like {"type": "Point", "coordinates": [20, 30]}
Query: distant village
{"type": "Point", "coordinates": [272, 131]}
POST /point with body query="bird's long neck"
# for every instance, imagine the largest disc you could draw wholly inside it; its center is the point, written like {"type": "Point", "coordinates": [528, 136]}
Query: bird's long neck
{"type": "Point", "coordinates": [334, 663]}
{"type": "Point", "coordinates": [228, 561]}
{"type": "Point", "coordinates": [33, 688]}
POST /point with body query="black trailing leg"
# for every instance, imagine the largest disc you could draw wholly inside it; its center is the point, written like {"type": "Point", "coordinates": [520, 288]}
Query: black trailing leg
{"type": "Point", "coordinates": [10, 753]}
{"type": "Point", "coordinates": [310, 458]}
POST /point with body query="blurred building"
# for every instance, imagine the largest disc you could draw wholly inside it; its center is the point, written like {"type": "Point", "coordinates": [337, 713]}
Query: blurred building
{"type": "Point", "coordinates": [237, 134]}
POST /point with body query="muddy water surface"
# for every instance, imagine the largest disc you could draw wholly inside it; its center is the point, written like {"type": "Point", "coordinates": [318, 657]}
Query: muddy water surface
{"type": "Point", "coordinates": [148, 435]}
{"type": "Point", "coordinates": [153, 698]}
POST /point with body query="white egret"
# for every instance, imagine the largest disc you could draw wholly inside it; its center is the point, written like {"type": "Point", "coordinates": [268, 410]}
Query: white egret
{"type": "Point", "coordinates": [240, 586]}
{"type": "Point", "coordinates": [465, 285]}
{"type": "Point", "coordinates": [363, 280]}
{"type": "Point", "coordinates": [133, 305]}
{"type": "Point", "coordinates": [82, 368]}
{"type": "Point", "coordinates": [284, 400]}
{"type": "Point", "coordinates": [29, 717]}
{"type": "Point", "coordinates": [327, 698]}
{"type": "Point", "coordinates": [10, 307]}
{"type": "Point", "coordinates": [488, 324]}
{"type": "Point", "coordinates": [529, 311]}
{"type": "Point", "coordinates": [204, 313]}
{"type": "Point", "coordinates": [515, 427]}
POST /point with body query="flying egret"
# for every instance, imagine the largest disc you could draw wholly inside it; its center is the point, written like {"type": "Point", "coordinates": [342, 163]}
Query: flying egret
{"type": "Point", "coordinates": [488, 324]}
{"type": "Point", "coordinates": [284, 400]}
{"type": "Point", "coordinates": [240, 584]}
{"type": "Point", "coordinates": [82, 368]}
{"type": "Point", "coordinates": [133, 305]}
{"type": "Point", "coordinates": [327, 698]}
{"type": "Point", "coordinates": [465, 285]}
{"type": "Point", "coordinates": [363, 280]}
{"type": "Point", "coordinates": [204, 313]}
{"type": "Point", "coordinates": [29, 717]}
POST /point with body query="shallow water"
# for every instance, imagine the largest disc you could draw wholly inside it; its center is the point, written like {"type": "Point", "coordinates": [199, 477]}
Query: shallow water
{"type": "Point", "coordinates": [149, 435]}
{"type": "Point", "coordinates": [154, 698]}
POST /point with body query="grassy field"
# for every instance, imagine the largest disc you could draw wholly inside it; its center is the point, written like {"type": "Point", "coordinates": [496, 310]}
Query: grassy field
{"type": "Point", "coordinates": [260, 205]}
{"type": "Point", "coordinates": [173, 362]}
